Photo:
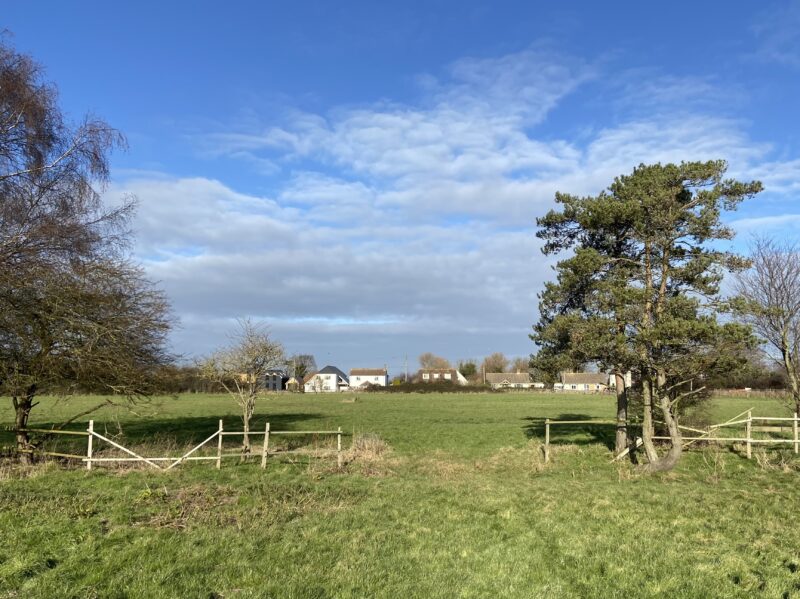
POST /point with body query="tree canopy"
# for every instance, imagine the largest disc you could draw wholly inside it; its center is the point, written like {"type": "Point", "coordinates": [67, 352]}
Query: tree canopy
{"type": "Point", "coordinates": [640, 290]}
{"type": "Point", "coordinates": [73, 310]}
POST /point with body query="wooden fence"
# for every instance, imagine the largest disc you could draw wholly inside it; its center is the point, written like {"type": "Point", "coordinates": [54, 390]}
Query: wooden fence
{"type": "Point", "coordinates": [168, 463]}
{"type": "Point", "coordinates": [710, 434]}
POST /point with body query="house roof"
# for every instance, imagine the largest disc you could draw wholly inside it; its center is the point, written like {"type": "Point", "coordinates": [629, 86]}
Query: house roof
{"type": "Point", "coordinates": [367, 372]}
{"type": "Point", "coordinates": [508, 377]}
{"type": "Point", "coordinates": [584, 378]}
{"type": "Point", "coordinates": [333, 370]}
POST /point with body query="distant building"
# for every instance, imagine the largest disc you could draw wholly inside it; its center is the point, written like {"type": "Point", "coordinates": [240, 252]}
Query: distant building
{"type": "Point", "coordinates": [368, 376]}
{"type": "Point", "coordinates": [294, 384]}
{"type": "Point", "coordinates": [583, 382]}
{"type": "Point", "coordinates": [328, 380]}
{"type": "Point", "coordinates": [275, 380]}
{"type": "Point", "coordinates": [627, 380]}
{"type": "Point", "coordinates": [511, 380]}
{"type": "Point", "coordinates": [432, 375]}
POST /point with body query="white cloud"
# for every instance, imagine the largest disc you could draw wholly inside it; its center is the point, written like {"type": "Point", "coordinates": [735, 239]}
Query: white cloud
{"type": "Point", "coordinates": [762, 224]}
{"type": "Point", "coordinates": [401, 228]}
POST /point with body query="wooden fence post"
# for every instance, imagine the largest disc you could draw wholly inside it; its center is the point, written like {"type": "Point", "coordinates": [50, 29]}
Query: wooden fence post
{"type": "Point", "coordinates": [749, 429]}
{"type": "Point", "coordinates": [265, 450]}
{"type": "Point", "coordinates": [546, 440]}
{"type": "Point", "coordinates": [89, 447]}
{"type": "Point", "coordinates": [339, 448]}
{"type": "Point", "coordinates": [796, 437]}
{"type": "Point", "coordinates": [219, 446]}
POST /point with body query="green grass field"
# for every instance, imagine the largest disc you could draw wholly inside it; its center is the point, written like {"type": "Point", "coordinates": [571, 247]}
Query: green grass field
{"type": "Point", "coordinates": [461, 505]}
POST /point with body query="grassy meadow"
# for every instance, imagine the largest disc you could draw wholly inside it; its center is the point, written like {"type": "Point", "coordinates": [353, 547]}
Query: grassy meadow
{"type": "Point", "coordinates": [445, 496]}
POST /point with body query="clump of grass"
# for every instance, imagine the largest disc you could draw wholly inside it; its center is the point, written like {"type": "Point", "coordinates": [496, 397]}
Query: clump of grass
{"type": "Point", "coordinates": [12, 469]}
{"type": "Point", "coordinates": [528, 459]}
{"type": "Point", "coordinates": [369, 454]}
{"type": "Point", "coordinates": [782, 460]}
{"type": "Point", "coordinates": [715, 463]}
{"type": "Point", "coordinates": [368, 446]}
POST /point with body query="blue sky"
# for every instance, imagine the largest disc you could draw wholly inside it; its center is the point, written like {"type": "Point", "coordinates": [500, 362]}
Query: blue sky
{"type": "Point", "coordinates": [365, 176]}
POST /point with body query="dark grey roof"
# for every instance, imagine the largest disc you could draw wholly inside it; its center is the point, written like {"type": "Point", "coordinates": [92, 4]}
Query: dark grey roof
{"type": "Point", "coordinates": [334, 370]}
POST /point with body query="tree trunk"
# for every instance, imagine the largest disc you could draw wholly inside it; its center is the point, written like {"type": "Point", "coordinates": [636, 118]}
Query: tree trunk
{"type": "Point", "coordinates": [246, 436]}
{"type": "Point", "coordinates": [647, 420]}
{"type": "Point", "coordinates": [22, 410]}
{"type": "Point", "coordinates": [247, 413]}
{"type": "Point", "coordinates": [671, 458]}
{"type": "Point", "coordinates": [621, 441]}
{"type": "Point", "coordinates": [668, 461]}
{"type": "Point", "coordinates": [791, 373]}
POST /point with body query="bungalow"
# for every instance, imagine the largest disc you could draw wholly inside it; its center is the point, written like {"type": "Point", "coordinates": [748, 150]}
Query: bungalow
{"type": "Point", "coordinates": [511, 380]}
{"type": "Point", "coordinates": [328, 380]}
{"type": "Point", "coordinates": [435, 375]}
{"type": "Point", "coordinates": [368, 376]}
{"type": "Point", "coordinates": [583, 382]}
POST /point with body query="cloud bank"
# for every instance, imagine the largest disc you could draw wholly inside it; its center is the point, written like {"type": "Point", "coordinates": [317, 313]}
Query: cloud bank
{"type": "Point", "coordinates": [401, 227]}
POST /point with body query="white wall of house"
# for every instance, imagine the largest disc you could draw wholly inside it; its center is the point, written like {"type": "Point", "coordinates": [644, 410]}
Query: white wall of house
{"type": "Point", "coordinates": [322, 383]}
{"type": "Point", "coordinates": [444, 376]}
{"type": "Point", "coordinates": [357, 380]}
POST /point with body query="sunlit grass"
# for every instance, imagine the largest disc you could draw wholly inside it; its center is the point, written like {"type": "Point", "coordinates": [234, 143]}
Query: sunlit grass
{"type": "Point", "coordinates": [454, 502]}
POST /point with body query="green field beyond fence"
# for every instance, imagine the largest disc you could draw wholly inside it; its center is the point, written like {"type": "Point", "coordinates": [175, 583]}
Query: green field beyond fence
{"type": "Point", "coordinates": [438, 496]}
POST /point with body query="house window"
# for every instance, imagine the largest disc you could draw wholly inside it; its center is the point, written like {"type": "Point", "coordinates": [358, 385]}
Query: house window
{"type": "Point", "coordinates": [574, 386]}
{"type": "Point", "coordinates": [426, 376]}
{"type": "Point", "coordinates": [436, 375]}
{"type": "Point", "coordinates": [358, 378]}
{"type": "Point", "coordinates": [447, 375]}
{"type": "Point", "coordinates": [375, 378]}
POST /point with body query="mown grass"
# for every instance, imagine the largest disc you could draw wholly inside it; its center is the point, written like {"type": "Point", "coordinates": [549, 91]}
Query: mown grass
{"type": "Point", "coordinates": [457, 504]}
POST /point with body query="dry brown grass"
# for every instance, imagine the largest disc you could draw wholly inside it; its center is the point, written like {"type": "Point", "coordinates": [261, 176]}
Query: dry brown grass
{"type": "Point", "coordinates": [528, 459]}
{"type": "Point", "coordinates": [714, 460]}
{"type": "Point", "coordinates": [783, 460]}
{"type": "Point", "coordinates": [12, 469]}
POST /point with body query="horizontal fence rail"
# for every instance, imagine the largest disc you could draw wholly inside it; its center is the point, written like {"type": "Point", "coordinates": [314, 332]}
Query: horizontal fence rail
{"type": "Point", "coordinates": [703, 435]}
{"type": "Point", "coordinates": [89, 458]}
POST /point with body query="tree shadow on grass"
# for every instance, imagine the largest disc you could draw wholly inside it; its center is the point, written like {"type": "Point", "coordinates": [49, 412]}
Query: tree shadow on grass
{"type": "Point", "coordinates": [575, 434]}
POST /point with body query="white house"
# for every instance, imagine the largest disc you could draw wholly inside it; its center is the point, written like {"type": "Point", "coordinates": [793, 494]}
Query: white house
{"type": "Point", "coordinates": [582, 382]}
{"type": "Point", "coordinates": [328, 380]}
{"type": "Point", "coordinates": [435, 375]}
{"type": "Point", "coordinates": [368, 376]}
{"type": "Point", "coordinates": [511, 380]}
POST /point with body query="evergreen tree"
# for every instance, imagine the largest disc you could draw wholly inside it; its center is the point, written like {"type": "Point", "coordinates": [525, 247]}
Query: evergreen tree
{"type": "Point", "coordinates": [641, 289]}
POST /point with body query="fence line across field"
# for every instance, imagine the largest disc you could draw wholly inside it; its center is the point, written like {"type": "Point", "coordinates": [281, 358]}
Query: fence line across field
{"type": "Point", "coordinates": [703, 435]}
{"type": "Point", "coordinates": [90, 459]}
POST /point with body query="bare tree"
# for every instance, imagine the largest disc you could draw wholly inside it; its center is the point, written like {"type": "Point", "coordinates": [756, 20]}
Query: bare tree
{"type": "Point", "coordinates": [241, 367]}
{"type": "Point", "coordinates": [520, 364]}
{"type": "Point", "coordinates": [100, 325]}
{"type": "Point", "coordinates": [51, 174]}
{"type": "Point", "coordinates": [430, 360]}
{"type": "Point", "coordinates": [497, 362]}
{"type": "Point", "coordinates": [769, 300]}
{"type": "Point", "coordinates": [302, 365]}
{"type": "Point", "coordinates": [73, 311]}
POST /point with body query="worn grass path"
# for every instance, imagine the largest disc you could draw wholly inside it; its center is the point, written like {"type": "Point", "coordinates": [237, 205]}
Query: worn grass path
{"type": "Point", "coordinates": [461, 506]}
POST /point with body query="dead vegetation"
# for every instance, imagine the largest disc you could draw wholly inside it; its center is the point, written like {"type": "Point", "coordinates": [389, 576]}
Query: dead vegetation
{"type": "Point", "coordinates": [782, 460]}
